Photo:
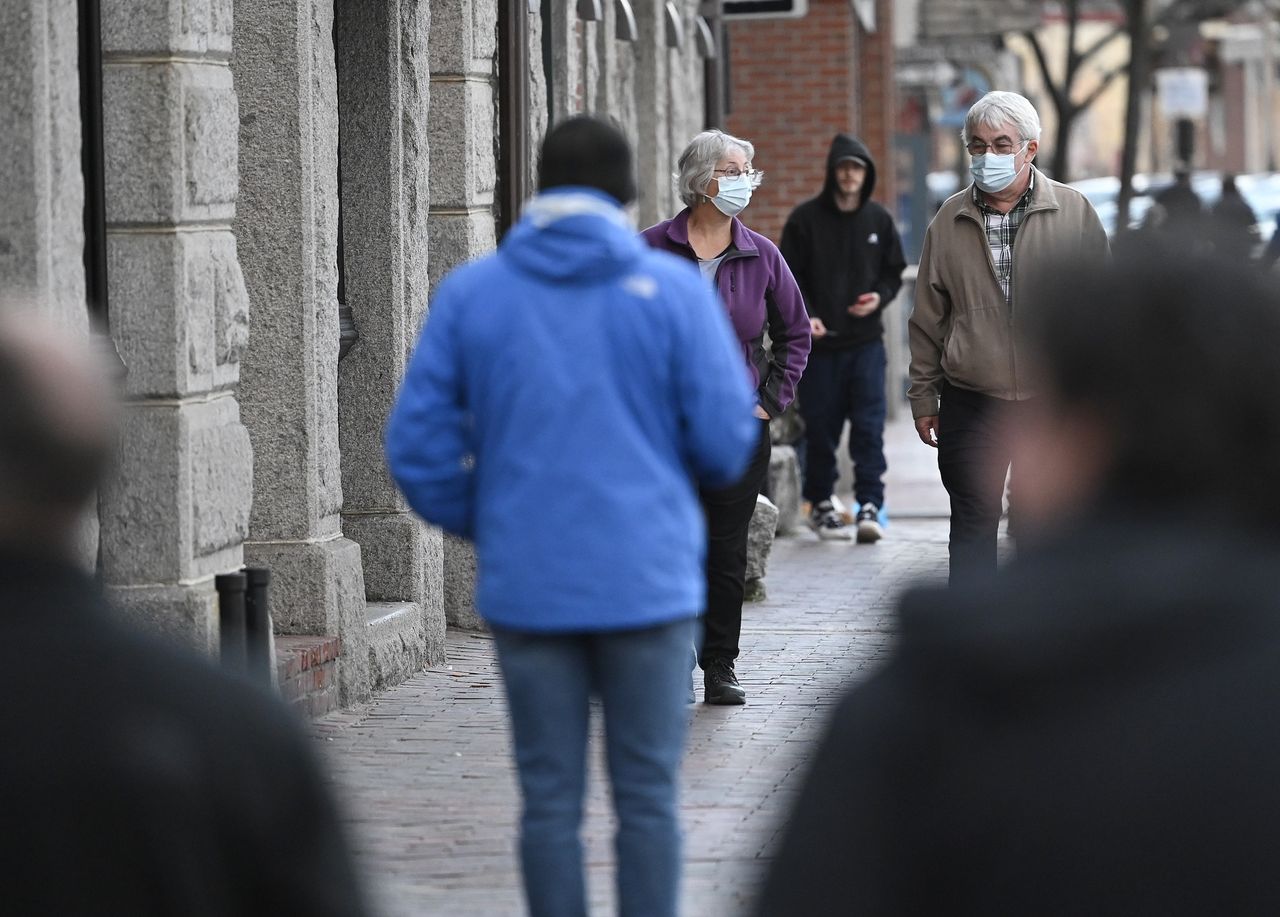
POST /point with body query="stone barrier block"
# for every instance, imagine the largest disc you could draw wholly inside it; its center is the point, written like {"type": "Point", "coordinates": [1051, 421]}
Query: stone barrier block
{"type": "Point", "coordinates": [170, 136]}
{"type": "Point", "coordinates": [764, 522]}
{"type": "Point", "coordinates": [784, 487]}
{"type": "Point", "coordinates": [151, 27]}
{"type": "Point", "coordinates": [396, 643]}
{"type": "Point", "coordinates": [460, 585]}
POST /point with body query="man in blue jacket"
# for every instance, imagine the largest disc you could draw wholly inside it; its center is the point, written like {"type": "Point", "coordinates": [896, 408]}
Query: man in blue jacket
{"type": "Point", "coordinates": [569, 394]}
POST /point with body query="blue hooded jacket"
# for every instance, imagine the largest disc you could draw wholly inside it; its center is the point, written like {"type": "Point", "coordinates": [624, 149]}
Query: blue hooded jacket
{"type": "Point", "coordinates": [567, 395]}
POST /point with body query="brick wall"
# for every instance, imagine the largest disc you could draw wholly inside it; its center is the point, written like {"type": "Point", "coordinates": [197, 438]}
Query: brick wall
{"type": "Point", "coordinates": [797, 82]}
{"type": "Point", "coordinates": [307, 673]}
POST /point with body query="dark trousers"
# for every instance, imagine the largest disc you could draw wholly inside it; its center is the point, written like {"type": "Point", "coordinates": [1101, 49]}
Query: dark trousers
{"type": "Point", "coordinates": [973, 456]}
{"type": "Point", "coordinates": [838, 386]}
{"type": "Point", "coordinates": [728, 512]}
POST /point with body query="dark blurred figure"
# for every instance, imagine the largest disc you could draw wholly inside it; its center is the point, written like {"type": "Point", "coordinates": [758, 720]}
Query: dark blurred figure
{"type": "Point", "coordinates": [1093, 730]}
{"type": "Point", "coordinates": [1177, 212]}
{"type": "Point", "coordinates": [1234, 229]}
{"type": "Point", "coordinates": [134, 779]}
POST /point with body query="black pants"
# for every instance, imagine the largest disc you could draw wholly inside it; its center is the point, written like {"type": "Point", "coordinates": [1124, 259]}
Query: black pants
{"type": "Point", "coordinates": [973, 456]}
{"type": "Point", "coordinates": [837, 386]}
{"type": "Point", "coordinates": [728, 511]}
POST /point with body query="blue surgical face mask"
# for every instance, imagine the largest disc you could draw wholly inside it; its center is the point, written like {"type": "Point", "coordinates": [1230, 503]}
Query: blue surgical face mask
{"type": "Point", "coordinates": [993, 172]}
{"type": "Point", "coordinates": [735, 194]}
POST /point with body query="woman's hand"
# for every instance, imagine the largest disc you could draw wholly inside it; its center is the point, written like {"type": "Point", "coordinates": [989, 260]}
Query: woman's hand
{"type": "Point", "coordinates": [762, 413]}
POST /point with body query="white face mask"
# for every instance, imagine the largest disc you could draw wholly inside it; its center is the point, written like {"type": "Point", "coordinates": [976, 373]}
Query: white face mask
{"type": "Point", "coordinates": [734, 195]}
{"type": "Point", "coordinates": [993, 172]}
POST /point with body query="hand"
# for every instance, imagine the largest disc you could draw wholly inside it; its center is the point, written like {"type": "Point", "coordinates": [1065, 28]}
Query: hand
{"type": "Point", "coordinates": [762, 413]}
{"type": "Point", "coordinates": [865, 304]}
{"type": "Point", "coordinates": [816, 328]}
{"type": "Point", "coordinates": [927, 430]}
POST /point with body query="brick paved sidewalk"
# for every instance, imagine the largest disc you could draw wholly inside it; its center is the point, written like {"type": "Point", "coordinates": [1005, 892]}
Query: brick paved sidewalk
{"type": "Point", "coordinates": [425, 772]}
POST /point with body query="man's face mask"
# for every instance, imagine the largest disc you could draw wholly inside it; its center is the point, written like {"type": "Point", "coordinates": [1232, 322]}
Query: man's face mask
{"type": "Point", "coordinates": [993, 172]}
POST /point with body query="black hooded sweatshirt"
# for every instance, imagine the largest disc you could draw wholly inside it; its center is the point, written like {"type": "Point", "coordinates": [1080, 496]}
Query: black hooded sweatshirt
{"type": "Point", "coordinates": [837, 256]}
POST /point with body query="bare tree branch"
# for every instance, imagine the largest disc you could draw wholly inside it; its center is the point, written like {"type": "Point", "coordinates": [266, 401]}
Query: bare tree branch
{"type": "Point", "coordinates": [1107, 79]}
{"type": "Point", "coordinates": [1046, 74]}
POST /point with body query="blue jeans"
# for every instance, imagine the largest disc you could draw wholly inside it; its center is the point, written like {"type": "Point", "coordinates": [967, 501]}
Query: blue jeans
{"type": "Point", "coordinates": [842, 385]}
{"type": "Point", "coordinates": [642, 680]}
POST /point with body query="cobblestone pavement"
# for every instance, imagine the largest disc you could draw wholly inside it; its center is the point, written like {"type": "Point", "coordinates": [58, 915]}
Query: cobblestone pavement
{"type": "Point", "coordinates": [424, 770]}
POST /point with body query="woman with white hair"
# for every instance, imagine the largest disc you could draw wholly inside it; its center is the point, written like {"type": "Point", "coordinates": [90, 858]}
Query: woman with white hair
{"type": "Point", "coordinates": [715, 181]}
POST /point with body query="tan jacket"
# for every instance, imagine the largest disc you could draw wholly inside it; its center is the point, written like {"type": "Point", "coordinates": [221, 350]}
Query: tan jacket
{"type": "Point", "coordinates": [962, 330]}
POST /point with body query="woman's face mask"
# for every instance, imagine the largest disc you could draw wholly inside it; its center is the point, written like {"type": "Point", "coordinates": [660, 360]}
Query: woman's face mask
{"type": "Point", "coordinates": [734, 194]}
{"type": "Point", "coordinates": [993, 172]}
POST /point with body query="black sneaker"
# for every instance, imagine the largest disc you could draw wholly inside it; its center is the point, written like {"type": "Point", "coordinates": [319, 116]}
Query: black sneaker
{"type": "Point", "coordinates": [826, 522]}
{"type": "Point", "coordinates": [722, 684]}
{"type": "Point", "coordinates": [869, 530]}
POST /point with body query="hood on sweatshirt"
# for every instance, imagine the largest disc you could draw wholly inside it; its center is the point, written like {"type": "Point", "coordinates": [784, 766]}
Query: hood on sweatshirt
{"type": "Point", "coordinates": [570, 232]}
{"type": "Point", "coordinates": [842, 147]}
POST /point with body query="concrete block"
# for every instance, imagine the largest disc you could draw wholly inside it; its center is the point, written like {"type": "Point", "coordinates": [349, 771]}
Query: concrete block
{"type": "Point", "coordinates": [783, 487]}
{"type": "Point", "coordinates": [177, 506]}
{"type": "Point", "coordinates": [434, 619]}
{"type": "Point", "coordinates": [460, 585]}
{"type": "Point", "coordinates": [179, 311]}
{"type": "Point", "coordinates": [142, 27]}
{"type": "Point", "coordinates": [187, 614]}
{"type": "Point", "coordinates": [397, 645]}
{"type": "Point", "coordinates": [457, 239]}
{"type": "Point", "coordinates": [764, 523]}
{"type": "Point", "coordinates": [170, 143]}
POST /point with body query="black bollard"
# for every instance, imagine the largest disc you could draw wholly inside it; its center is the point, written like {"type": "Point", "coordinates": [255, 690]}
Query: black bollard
{"type": "Point", "coordinates": [231, 618]}
{"type": "Point", "coordinates": [258, 623]}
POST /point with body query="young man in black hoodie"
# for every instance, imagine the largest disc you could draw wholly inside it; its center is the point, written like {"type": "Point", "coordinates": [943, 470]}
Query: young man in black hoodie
{"type": "Point", "coordinates": [847, 257]}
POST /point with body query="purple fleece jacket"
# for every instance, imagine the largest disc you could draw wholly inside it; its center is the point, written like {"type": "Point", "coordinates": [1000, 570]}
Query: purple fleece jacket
{"type": "Point", "coordinates": [760, 295]}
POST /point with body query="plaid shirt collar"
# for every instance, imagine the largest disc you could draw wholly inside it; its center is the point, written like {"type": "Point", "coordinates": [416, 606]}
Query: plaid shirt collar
{"type": "Point", "coordinates": [1002, 230]}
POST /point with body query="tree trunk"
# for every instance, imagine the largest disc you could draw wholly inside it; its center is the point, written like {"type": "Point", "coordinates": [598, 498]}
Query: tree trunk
{"type": "Point", "coordinates": [1061, 148]}
{"type": "Point", "coordinates": [1139, 61]}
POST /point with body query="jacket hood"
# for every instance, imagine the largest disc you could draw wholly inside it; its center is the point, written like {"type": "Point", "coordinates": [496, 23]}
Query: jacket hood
{"type": "Point", "coordinates": [842, 146]}
{"type": "Point", "coordinates": [573, 232]}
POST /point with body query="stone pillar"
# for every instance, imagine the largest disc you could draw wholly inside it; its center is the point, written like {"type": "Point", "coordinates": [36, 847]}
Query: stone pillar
{"type": "Point", "coordinates": [287, 227]}
{"type": "Point", "coordinates": [177, 511]}
{"type": "Point", "coordinates": [383, 82]}
{"type": "Point", "coordinates": [41, 190]}
{"type": "Point", "coordinates": [463, 178]}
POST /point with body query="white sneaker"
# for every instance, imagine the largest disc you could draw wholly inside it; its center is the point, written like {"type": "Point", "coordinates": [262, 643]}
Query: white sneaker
{"type": "Point", "coordinates": [869, 530]}
{"type": "Point", "coordinates": [826, 522]}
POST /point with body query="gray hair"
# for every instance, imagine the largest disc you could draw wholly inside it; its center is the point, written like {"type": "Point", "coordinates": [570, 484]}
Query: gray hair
{"type": "Point", "coordinates": [996, 109]}
{"type": "Point", "coordinates": [699, 160]}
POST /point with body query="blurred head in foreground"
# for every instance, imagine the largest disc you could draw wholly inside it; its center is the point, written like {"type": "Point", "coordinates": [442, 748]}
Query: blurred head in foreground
{"type": "Point", "coordinates": [56, 421]}
{"type": "Point", "coordinates": [1158, 379]}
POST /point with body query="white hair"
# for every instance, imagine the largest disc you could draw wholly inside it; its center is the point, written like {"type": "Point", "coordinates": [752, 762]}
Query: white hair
{"type": "Point", "coordinates": [996, 109]}
{"type": "Point", "coordinates": [699, 160]}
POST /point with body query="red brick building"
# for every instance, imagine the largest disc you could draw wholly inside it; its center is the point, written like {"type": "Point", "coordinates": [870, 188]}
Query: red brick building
{"type": "Point", "coordinates": [794, 83]}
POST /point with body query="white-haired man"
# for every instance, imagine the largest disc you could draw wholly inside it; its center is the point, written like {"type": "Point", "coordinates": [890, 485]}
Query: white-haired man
{"type": "Point", "coordinates": [966, 375]}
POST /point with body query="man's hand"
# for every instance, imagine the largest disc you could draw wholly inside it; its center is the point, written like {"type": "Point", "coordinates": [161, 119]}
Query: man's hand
{"type": "Point", "coordinates": [762, 413]}
{"type": "Point", "coordinates": [927, 429]}
{"type": "Point", "coordinates": [816, 328]}
{"type": "Point", "coordinates": [865, 304]}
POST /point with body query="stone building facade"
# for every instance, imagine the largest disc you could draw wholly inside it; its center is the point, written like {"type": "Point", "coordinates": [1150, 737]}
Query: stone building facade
{"type": "Point", "coordinates": [255, 212]}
